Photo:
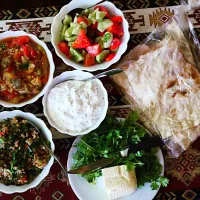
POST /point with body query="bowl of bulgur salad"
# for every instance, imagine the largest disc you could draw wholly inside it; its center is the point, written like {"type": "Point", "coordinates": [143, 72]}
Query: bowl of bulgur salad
{"type": "Point", "coordinates": [24, 160]}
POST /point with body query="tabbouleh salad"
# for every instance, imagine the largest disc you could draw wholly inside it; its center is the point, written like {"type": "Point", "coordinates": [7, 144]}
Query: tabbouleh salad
{"type": "Point", "coordinates": [22, 154]}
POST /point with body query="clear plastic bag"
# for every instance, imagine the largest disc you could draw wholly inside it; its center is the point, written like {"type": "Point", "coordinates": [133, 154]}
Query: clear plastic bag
{"type": "Point", "coordinates": [162, 82]}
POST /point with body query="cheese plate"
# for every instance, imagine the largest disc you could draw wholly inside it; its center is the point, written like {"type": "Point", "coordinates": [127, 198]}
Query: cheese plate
{"type": "Point", "coordinates": [88, 191]}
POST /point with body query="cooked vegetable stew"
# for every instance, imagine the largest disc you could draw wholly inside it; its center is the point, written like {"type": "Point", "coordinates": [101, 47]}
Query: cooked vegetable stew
{"type": "Point", "coordinates": [24, 69]}
{"type": "Point", "coordinates": [22, 154]}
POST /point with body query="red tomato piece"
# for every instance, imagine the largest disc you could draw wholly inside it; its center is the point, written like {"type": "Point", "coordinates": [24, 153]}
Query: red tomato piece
{"type": "Point", "coordinates": [110, 57]}
{"type": "Point", "coordinates": [94, 49]}
{"type": "Point", "coordinates": [81, 41]}
{"type": "Point", "coordinates": [94, 26]}
{"type": "Point", "coordinates": [117, 19]}
{"type": "Point", "coordinates": [89, 60]}
{"type": "Point", "coordinates": [116, 30]}
{"type": "Point", "coordinates": [8, 94]}
{"type": "Point", "coordinates": [102, 8]}
{"type": "Point", "coordinates": [100, 33]}
{"type": "Point", "coordinates": [64, 48]}
{"type": "Point", "coordinates": [115, 44]}
{"type": "Point", "coordinates": [24, 179]}
{"type": "Point", "coordinates": [33, 53]}
{"type": "Point", "coordinates": [10, 69]}
{"type": "Point", "coordinates": [20, 40]}
{"type": "Point", "coordinates": [82, 19]}
{"type": "Point", "coordinates": [26, 51]}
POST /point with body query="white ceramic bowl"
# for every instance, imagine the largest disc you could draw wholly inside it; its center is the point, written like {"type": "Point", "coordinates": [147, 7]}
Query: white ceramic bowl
{"type": "Point", "coordinates": [8, 34]}
{"type": "Point", "coordinates": [57, 26]}
{"type": "Point", "coordinates": [47, 134]}
{"type": "Point", "coordinates": [63, 77]}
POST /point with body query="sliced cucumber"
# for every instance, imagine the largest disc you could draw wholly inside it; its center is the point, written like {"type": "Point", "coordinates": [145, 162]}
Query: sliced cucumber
{"type": "Point", "coordinates": [83, 25]}
{"type": "Point", "coordinates": [70, 44]}
{"type": "Point", "coordinates": [102, 26]}
{"type": "Point", "coordinates": [64, 28]}
{"type": "Point", "coordinates": [68, 32]}
{"type": "Point", "coordinates": [107, 39]}
{"type": "Point", "coordinates": [78, 57]}
{"type": "Point", "coordinates": [74, 24]}
{"type": "Point", "coordinates": [100, 15]}
{"type": "Point", "coordinates": [100, 57]}
{"type": "Point", "coordinates": [67, 19]}
{"type": "Point", "coordinates": [76, 18]}
{"type": "Point", "coordinates": [71, 39]}
{"type": "Point", "coordinates": [92, 16]}
{"type": "Point", "coordinates": [86, 12]}
{"type": "Point", "coordinates": [76, 30]}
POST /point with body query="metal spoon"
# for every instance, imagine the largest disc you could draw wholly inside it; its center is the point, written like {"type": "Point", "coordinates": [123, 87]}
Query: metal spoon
{"type": "Point", "coordinates": [49, 150]}
{"type": "Point", "coordinates": [101, 75]}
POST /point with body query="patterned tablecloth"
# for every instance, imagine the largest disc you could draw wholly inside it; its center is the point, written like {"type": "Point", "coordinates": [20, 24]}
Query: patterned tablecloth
{"type": "Point", "coordinates": [143, 17]}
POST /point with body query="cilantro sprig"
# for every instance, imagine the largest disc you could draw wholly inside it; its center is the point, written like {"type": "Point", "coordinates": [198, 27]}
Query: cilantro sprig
{"type": "Point", "coordinates": [108, 140]}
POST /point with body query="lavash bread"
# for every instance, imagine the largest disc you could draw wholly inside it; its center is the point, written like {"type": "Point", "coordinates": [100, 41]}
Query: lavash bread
{"type": "Point", "coordinates": [161, 82]}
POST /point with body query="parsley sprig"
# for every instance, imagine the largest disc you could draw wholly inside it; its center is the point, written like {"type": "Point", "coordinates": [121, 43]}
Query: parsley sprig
{"type": "Point", "coordinates": [109, 139]}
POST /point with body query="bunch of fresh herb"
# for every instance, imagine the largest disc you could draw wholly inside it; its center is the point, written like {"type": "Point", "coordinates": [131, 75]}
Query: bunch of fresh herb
{"type": "Point", "coordinates": [113, 136]}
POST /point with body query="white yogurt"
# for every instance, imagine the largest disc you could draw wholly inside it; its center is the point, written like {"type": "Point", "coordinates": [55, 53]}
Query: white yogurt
{"type": "Point", "coordinates": [75, 106]}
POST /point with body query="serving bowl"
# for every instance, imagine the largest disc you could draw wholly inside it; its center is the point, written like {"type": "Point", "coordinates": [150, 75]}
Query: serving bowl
{"type": "Point", "coordinates": [47, 135]}
{"type": "Point", "coordinates": [57, 26]}
{"type": "Point", "coordinates": [77, 74]}
{"type": "Point", "coordinates": [9, 34]}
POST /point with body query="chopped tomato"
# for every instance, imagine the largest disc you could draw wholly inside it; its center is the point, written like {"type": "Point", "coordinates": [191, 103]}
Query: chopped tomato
{"type": "Point", "coordinates": [33, 53]}
{"type": "Point", "coordinates": [44, 80]}
{"type": "Point", "coordinates": [116, 30]}
{"type": "Point", "coordinates": [26, 51]}
{"type": "Point", "coordinates": [94, 49]}
{"type": "Point", "coordinates": [115, 44]}
{"type": "Point", "coordinates": [81, 41]}
{"type": "Point", "coordinates": [82, 19]}
{"type": "Point", "coordinates": [2, 134]}
{"type": "Point", "coordinates": [9, 94]}
{"type": "Point", "coordinates": [10, 69]}
{"type": "Point", "coordinates": [100, 33]}
{"type": "Point", "coordinates": [110, 57]}
{"type": "Point", "coordinates": [64, 48]}
{"type": "Point", "coordinates": [24, 179]}
{"type": "Point", "coordinates": [94, 25]}
{"type": "Point", "coordinates": [117, 19]}
{"type": "Point", "coordinates": [20, 40]}
{"type": "Point", "coordinates": [102, 8]}
{"type": "Point", "coordinates": [89, 60]}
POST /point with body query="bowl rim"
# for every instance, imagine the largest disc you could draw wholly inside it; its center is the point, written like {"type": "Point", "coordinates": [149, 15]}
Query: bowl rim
{"type": "Point", "coordinates": [101, 66]}
{"type": "Point", "coordinates": [63, 77]}
{"type": "Point", "coordinates": [8, 34]}
{"type": "Point", "coordinates": [47, 133]}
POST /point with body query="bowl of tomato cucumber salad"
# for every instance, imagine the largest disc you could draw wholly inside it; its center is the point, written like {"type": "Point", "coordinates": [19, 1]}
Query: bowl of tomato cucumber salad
{"type": "Point", "coordinates": [90, 39]}
{"type": "Point", "coordinates": [26, 68]}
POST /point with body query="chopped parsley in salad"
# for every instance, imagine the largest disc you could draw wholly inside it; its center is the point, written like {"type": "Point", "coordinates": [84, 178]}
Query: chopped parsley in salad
{"type": "Point", "coordinates": [93, 36]}
{"type": "Point", "coordinates": [22, 154]}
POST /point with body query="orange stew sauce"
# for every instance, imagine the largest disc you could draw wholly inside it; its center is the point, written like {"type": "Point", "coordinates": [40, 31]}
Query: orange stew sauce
{"type": "Point", "coordinates": [24, 69]}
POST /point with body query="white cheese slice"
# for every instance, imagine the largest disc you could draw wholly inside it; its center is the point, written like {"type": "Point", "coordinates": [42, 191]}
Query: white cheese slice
{"type": "Point", "coordinates": [119, 182]}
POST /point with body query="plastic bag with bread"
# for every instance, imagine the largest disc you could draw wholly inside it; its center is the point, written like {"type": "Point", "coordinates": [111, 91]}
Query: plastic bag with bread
{"type": "Point", "coordinates": [161, 81]}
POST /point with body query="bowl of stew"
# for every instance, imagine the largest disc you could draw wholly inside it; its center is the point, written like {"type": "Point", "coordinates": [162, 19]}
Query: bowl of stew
{"type": "Point", "coordinates": [90, 38]}
{"type": "Point", "coordinates": [24, 160]}
{"type": "Point", "coordinates": [26, 68]}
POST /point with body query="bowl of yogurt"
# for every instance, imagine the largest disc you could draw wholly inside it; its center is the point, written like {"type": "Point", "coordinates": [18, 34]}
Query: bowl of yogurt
{"type": "Point", "coordinates": [75, 107]}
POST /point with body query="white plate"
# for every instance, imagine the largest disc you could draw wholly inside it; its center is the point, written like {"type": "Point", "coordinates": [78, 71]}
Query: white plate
{"type": "Point", "coordinates": [88, 191]}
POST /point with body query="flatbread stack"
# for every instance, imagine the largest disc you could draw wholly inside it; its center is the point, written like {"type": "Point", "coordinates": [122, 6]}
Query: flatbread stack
{"type": "Point", "coordinates": [161, 80]}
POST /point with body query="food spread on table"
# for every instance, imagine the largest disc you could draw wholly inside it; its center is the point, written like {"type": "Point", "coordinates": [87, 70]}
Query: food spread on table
{"type": "Point", "coordinates": [24, 69]}
{"type": "Point", "coordinates": [111, 137]}
{"type": "Point", "coordinates": [74, 106]}
{"type": "Point", "coordinates": [22, 154]}
{"type": "Point", "coordinates": [92, 37]}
